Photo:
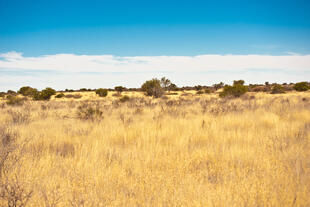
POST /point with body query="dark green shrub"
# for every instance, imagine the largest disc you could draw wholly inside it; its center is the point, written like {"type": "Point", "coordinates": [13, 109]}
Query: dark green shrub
{"type": "Point", "coordinates": [44, 94]}
{"type": "Point", "coordinates": [218, 85]}
{"type": "Point", "coordinates": [102, 92]}
{"type": "Point", "coordinates": [153, 88]}
{"type": "Point", "coordinates": [301, 86]}
{"type": "Point", "coordinates": [60, 95]}
{"type": "Point", "coordinates": [11, 92]}
{"type": "Point", "coordinates": [119, 89]}
{"type": "Point", "coordinates": [172, 87]}
{"type": "Point", "coordinates": [238, 82]}
{"type": "Point", "coordinates": [124, 98]}
{"type": "Point", "coordinates": [277, 89]}
{"type": "Point", "coordinates": [27, 91]}
{"type": "Point", "coordinates": [237, 90]}
{"type": "Point", "coordinates": [198, 87]}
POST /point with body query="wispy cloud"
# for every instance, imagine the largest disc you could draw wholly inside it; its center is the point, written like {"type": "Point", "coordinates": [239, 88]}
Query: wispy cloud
{"type": "Point", "coordinates": [204, 67]}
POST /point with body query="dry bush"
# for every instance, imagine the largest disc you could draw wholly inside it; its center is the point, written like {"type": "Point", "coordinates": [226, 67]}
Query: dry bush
{"type": "Point", "coordinates": [15, 100]}
{"type": "Point", "coordinates": [13, 191]}
{"type": "Point", "coordinates": [89, 112]}
{"type": "Point", "coordinates": [75, 96]}
{"type": "Point", "coordinates": [20, 116]}
{"type": "Point", "coordinates": [64, 149]}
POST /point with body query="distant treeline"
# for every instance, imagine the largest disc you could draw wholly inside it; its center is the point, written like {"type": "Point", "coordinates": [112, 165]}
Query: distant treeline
{"type": "Point", "coordinates": [159, 87]}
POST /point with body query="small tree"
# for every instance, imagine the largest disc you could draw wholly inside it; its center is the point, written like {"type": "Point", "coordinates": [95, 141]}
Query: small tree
{"type": "Point", "coordinates": [301, 86]}
{"type": "Point", "coordinates": [236, 82]}
{"type": "Point", "coordinates": [164, 82]}
{"type": "Point", "coordinates": [198, 87]}
{"type": "Point", "coordinates": [153, 88]}
{"type": "Point", "coordinates": [45, 94]}
{"type": "Point", "coordinates": [172, 87]}
{"type": "Point", "coordinates": [218, 86]}
{"type": "Point", "coordinates": [27, 91]}
{"type": "Point", "coordinates": [102, 92]}
{"type": "Point", "coordinates": [119, 89]}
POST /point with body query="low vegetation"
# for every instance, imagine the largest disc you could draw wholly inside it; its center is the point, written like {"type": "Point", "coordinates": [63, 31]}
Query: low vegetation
{"type": "Point", "coordinates": [187, 148]}
{"type": "Point", "coordinates": [102, 92]}
{"type": "Point", "coordinates": [236, 90]}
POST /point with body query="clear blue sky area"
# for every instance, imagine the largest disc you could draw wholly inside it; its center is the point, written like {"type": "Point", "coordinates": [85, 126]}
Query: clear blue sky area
{"type": "Point", "coordinates": [130, 28]}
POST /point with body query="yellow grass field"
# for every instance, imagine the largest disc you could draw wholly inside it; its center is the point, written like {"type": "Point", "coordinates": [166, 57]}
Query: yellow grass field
{"type": "Point", "coordinates": [182, 150]}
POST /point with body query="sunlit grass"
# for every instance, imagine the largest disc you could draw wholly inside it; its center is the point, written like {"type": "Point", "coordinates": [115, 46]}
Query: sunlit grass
{"type": "Point", "coordinates": [190, 150]}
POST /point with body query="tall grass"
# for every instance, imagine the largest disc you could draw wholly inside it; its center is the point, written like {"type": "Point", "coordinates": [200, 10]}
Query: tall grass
{"type": "Point", "coordinates": [195, 150]}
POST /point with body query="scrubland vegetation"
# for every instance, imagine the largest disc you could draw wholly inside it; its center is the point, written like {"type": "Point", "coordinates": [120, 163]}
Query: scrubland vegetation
{"type": "Point", "coordinates": [187, 148]}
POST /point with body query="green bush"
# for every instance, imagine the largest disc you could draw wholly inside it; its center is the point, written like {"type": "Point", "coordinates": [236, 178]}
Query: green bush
{"type": "Point", "coordinates": [172, 87]}
{"type": "Point", "coordinates": [60, 95]}
{"type": "Point", "coordinates": [301, 86]}
{"type": "Point", "coordinates": [237, 90]}
{"type": "Point", "coordinates": [44, 94]}
{"type": "Point", "coordinates": [119, 89]}
{"type": "Point", "coordinates": [27, 91]}
{"type": "Point", "coordinates": [153, 88]}
{"type": "Point", "coordinates": [102, 92]}
{"type": "Point", "coordinates": [277, 89]}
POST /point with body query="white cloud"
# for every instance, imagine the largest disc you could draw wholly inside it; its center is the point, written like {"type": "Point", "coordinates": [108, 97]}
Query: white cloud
{"type": "Point", "coordinates": [70, 70]}
{"type": "Point", "coordinates": [109, 63]}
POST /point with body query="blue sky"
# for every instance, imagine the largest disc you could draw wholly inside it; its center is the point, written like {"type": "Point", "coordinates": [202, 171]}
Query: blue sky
{"type": "Point", "coordinates": [36, 28]}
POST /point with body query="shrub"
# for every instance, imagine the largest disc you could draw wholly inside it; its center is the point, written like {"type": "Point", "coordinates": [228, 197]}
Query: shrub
{"type": "Point", "coordinates": [238, 82]}
{"type": "Point", "coordinates": [119, 89]}
{"type": "Point", "coordinates": [301, 86]}
{"type": "Point", "coordinates": [14, 100]}
{"type": "Point", "coordinates": [237, 90]}
{"type": "Point", "coordinates": [218, 86]}
{"type": "Point", "coordinates": [172, 87]}
{"type": "Point", "coordinates": [11, 92]}
{"type": "Point", "coordinates": [153, 88]}
{"type": "Point", "coordinates": [102, 92]}
{"type": "Point", "coordinates": [124, 98]}
{"type": "Point", "coordinates": [27, 91]}
{"type": "Point", "coordinates": [60, 95]}
{"type": "Point", "coordinates": [277, 89]}
{"type": "Point", "coordinates": [208, 90]}
{"type": "Point", "coordinates": [198, 87]}
{"type": "Point", "coordinates": [44, 94]}
{"type": "Point", "coordinates": [2, 94]}
{"type": "Point", "coordinates": [76, 96]}
{"type": "Point", "coordinates": [88, 112]}
{"type": "Point", "coordinates": [200, 92]}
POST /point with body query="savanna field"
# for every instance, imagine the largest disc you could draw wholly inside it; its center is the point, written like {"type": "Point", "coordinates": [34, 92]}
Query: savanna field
{"type": "Point", "coordinates": [185, 149]}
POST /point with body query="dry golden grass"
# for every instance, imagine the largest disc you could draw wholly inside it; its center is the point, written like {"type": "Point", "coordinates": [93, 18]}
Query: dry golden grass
{"type": "Point", "coordinates": [191, 150]}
